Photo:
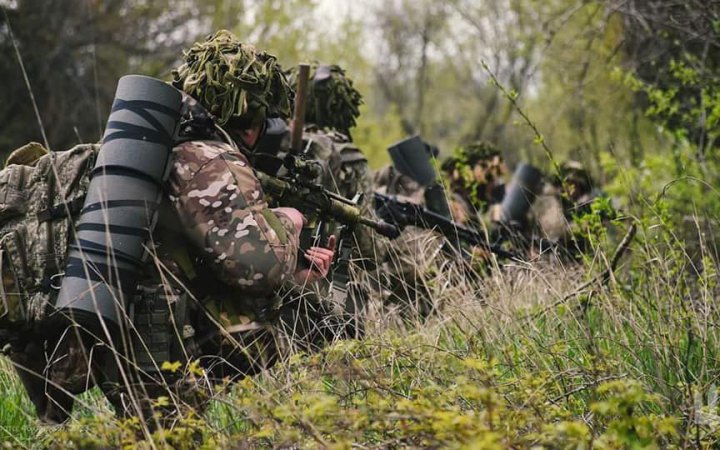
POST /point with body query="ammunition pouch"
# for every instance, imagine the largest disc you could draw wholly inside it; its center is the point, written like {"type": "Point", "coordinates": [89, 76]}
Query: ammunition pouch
{"type": "Point", "coordinates": [160, 328]}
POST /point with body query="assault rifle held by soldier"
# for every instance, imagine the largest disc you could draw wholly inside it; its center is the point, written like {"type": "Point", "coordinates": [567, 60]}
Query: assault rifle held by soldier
{"type": "Point", "coordinates": [298, 184]}
{"type": "Point", "coordinates": [402, 213]}
{"type": "Point", "coordinates": [299, 188]}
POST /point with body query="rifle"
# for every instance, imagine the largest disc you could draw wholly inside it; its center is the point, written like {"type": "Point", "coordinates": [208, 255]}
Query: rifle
{"type": "Point", "coordinates": [299, 186]}
{"type": "Point", "coordinates": [300, 191]}
{"type": "Point", "coordinates": [402, 214]}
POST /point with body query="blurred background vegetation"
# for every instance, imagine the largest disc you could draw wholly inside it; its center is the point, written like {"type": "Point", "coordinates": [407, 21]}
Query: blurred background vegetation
{"type": "Point", "coordinates": [418, 63]}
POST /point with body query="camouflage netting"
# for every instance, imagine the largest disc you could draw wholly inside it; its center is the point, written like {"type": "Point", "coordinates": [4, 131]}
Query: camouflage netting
{"type": "Point", "coordinates": [332, 101]}
{"type": "Point", "coordinates": [235, 82]}
{"type": "Point", "coordinates": [471, 154]}
{"type": "Point", "coordinates": [574, 172]}
{"type": "Point", "coordinates": [472, 170]}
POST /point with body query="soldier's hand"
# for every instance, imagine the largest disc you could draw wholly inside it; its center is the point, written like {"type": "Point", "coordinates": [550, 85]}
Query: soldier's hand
{"type": "Point", "coordinates": [320, 259]}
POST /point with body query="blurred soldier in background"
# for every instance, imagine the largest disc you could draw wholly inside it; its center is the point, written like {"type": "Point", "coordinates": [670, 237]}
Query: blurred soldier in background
{"type": "Point", "coordinates": [576, 187]}
{"type": "Point", "coordinates": [414, 258]}
{"type": "Point", "coordinates": [574, 191]}
{"type": "Point", "coordinates": [475, 175]}
{"type": "Point", "coordinates": [334, 309]}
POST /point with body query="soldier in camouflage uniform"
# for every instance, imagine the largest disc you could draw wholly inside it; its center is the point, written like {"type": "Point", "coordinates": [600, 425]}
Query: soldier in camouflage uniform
{"type": "Point", "coordinates": [413, 259]}
{"type": "Point", "coordinates": [475, 177]}
{"type": "Point", "coordinates": [573, 190]}
{"type": "Point", "coordinates": [216, 241]}
{"type": "Point", "coordinates": [219, 203]}
{"type": "Point", "coordinates": [331, 112]}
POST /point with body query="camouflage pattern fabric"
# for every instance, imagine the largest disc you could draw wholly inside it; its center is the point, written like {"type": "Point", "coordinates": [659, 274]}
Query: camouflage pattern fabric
{"type": "Point", "coordinates": [68, 370]}
{"type": "Point", "coordinates": [237, 240]}
{"type": "Point", "coordinates": [35, 199]}
{"type": "Point", "coordinates": [220, 204]}
{"type": "Point", "coordinates": [311, 315]}
{"type": "Point", "coordinates": [346, 172]}
{"type": "Point", "coordinates": [413, 258]}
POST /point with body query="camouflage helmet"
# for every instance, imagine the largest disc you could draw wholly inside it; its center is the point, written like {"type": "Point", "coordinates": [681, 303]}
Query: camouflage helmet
{"type": "Point", "coordinates": [477, 162]}
{"type": "Point", "coordinates": [478, 151]}
{"type": "Point", "coordinates": [474, 171]}
{"type": "Point", "coordinates": [332, 100]}
{"type": "Point", "coordinates": [235, 82]}
{"type": "Point", "coordinates": [574, 173]}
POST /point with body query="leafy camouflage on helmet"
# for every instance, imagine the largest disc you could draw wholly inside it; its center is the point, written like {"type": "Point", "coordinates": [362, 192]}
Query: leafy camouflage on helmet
{"type": "Point", "coordinates": [471, 154]}
{"type": "Point", "coordinates": [332, 101]}
{"type": "Point", "coordinates": [234, 81]}
{"type": "Point", "coordinates": [473, 172]}
{"type": "Point", "coordinates": [220, 205]}
{"type": "Point", "coordinates": [574, 173]}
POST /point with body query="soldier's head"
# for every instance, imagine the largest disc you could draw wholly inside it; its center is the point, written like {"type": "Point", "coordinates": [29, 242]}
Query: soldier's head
{"type": "Point", "coordinates": [391, 182]}
{"type": "Point", "coordinates": [332, 101]}
{"type": "Point", "coordinates": [475, 169]}
{"type": "Point", "coordinates": [238, 84]}
{"type": "Point", "coordinates": [574, 179]}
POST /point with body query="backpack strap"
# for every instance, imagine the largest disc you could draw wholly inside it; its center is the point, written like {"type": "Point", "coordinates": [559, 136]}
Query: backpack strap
{"type": "Point", "coordinates": [61, 210]}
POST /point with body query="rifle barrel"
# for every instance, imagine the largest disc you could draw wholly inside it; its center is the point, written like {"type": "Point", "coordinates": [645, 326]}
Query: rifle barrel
{"type": "Point", "coordinates": [327, 203]}
{"type": "Point", "coordinates": [406, 213]}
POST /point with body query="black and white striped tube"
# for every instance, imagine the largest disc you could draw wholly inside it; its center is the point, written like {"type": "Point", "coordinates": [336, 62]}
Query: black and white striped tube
{"type": "Point", "coordinates": [121, 206]}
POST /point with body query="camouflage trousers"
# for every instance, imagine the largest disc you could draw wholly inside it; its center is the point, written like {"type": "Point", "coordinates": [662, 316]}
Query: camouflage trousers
{"type": "Point", "coordinates": [412, 263]}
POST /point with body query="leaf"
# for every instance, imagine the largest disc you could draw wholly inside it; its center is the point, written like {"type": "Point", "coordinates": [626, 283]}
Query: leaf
{"type": "Point", "coordinates": [171, 366]}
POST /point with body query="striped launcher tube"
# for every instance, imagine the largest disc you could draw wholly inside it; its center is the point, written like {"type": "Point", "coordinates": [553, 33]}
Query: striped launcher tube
{"type": "Point", "coordinates": [121, 206]}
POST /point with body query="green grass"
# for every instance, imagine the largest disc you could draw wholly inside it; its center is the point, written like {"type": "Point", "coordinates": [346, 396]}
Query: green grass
{"type": "Point", "coordinates": [518, 358]}
{"type": "Point", "coordinates": [17, 421]}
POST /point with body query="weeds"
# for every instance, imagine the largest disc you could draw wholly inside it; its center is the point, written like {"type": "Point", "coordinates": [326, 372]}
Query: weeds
{"type": "Point", "coordinates": [630, 363]}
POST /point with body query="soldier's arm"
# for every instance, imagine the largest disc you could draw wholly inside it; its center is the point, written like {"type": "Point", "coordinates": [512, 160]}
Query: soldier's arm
{"type": "Point", "coordinates": [220, 203]}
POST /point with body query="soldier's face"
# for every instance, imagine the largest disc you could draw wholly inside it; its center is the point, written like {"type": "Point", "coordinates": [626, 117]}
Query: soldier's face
{"type": "Point", "coordinates": [480, 171]}
{"type": "Point", "coordinates": [250, 136]}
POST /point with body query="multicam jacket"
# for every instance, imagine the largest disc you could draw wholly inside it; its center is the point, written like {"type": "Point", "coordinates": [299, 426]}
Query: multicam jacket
{"type": "Point", "coordinates": [221, 207]}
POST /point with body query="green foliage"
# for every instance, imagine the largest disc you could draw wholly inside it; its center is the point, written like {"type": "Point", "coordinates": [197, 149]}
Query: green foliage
{"type": "Point", "coordinates": [73, 55]}
{"type": "Point", "coordinates": [16, 424]}
{"type": "Point", "coordinates": [375, 134]}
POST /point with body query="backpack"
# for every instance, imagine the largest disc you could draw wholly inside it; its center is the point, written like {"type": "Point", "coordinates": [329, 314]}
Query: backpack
{"type": "Point", "coordinates": [41, 194]}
